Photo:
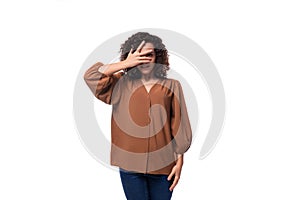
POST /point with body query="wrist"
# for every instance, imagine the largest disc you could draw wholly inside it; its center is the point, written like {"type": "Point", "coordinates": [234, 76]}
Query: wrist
{"type": "Point", "coordinates": [179, 160]}
{"type": "Point", "coordinates": [124, 64]}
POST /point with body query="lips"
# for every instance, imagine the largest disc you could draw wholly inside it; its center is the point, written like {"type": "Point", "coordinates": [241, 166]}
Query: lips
{"type": "Point", "coordinates": [145, 66]}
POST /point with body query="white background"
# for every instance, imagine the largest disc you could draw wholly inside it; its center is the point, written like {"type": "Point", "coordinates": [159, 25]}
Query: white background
{"type": "Point", "coordinates": [254, 44]}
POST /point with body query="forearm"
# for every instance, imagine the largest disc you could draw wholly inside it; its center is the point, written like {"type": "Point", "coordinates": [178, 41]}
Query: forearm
{"type": "Point", "coordinates": [110, 69]}
{"type": "Point", "coordinates": [179, 159]}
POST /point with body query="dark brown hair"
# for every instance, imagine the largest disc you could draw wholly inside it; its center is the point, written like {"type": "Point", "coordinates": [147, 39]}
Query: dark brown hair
{"type": "Point", "coordinates": [161, 54]}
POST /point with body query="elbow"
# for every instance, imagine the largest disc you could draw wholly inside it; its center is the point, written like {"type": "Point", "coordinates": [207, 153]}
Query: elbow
{"type": "Point", "coordinates": [92, 71]}
{"type": "Point", "coordinates": [183, 147]}
{"type": "Point", "coordinates": [85, 76]}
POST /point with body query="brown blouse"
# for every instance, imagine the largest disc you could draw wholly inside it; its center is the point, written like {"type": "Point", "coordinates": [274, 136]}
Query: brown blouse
{"type": "Point", "coordinates": [148, 129]}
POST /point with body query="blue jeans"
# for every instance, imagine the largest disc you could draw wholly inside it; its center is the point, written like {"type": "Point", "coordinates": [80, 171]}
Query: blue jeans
{"type": "Point", "coordinates": [138, 186]}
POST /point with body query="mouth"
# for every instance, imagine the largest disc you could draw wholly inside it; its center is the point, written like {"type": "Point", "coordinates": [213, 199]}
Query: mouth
{"type": "Point", "coordinates": [145, 66]}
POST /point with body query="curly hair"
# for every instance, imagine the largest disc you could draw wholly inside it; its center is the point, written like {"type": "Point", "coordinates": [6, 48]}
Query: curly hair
{"type": "Point", "coordinates": [161, 59]}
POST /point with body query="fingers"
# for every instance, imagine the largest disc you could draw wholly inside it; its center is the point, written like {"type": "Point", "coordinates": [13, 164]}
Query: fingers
{"type": "Point", "coordinates": [142, 59]}
{"type": "Point", "coordinates": [171, 175]}
{"type": "Point", "coordinates": [140, 46]}
{"type": "Point", "coordinates": [145, 58]}
{"type": "Point", "coordinates": [146, 52]}
{"type": "Point", "coordinates": [176, 179]}
{"type": "Point", "coordinates": [130, 52]}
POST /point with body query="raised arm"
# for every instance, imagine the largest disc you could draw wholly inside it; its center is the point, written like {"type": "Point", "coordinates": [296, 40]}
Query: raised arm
{"type": "Point", "coordinates": [101, 79]}
{"type": "Point", "coordinates": [101, 84]}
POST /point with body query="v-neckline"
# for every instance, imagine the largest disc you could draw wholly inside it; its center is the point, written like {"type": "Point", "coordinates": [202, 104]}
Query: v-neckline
{"type": "Point", "coordinates": [154, 84]}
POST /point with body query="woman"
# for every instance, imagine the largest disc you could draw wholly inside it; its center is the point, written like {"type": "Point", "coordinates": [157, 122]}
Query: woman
{"type": "Point", "coordinates": [150, 128]}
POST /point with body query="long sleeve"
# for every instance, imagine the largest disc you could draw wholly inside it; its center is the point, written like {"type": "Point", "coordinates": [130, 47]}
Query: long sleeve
{"type": "Point", "coordinates": [101, 85]}
{"type": "Point", "coordinates": [180, 124]}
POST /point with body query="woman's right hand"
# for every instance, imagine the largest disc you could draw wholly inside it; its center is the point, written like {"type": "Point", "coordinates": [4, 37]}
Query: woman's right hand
{"type": "Point", "coordinates": [137, 58]}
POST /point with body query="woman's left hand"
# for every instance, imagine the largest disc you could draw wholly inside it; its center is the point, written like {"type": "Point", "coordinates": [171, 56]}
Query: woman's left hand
{"type": "Point", "coordinates": [176, 171]}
